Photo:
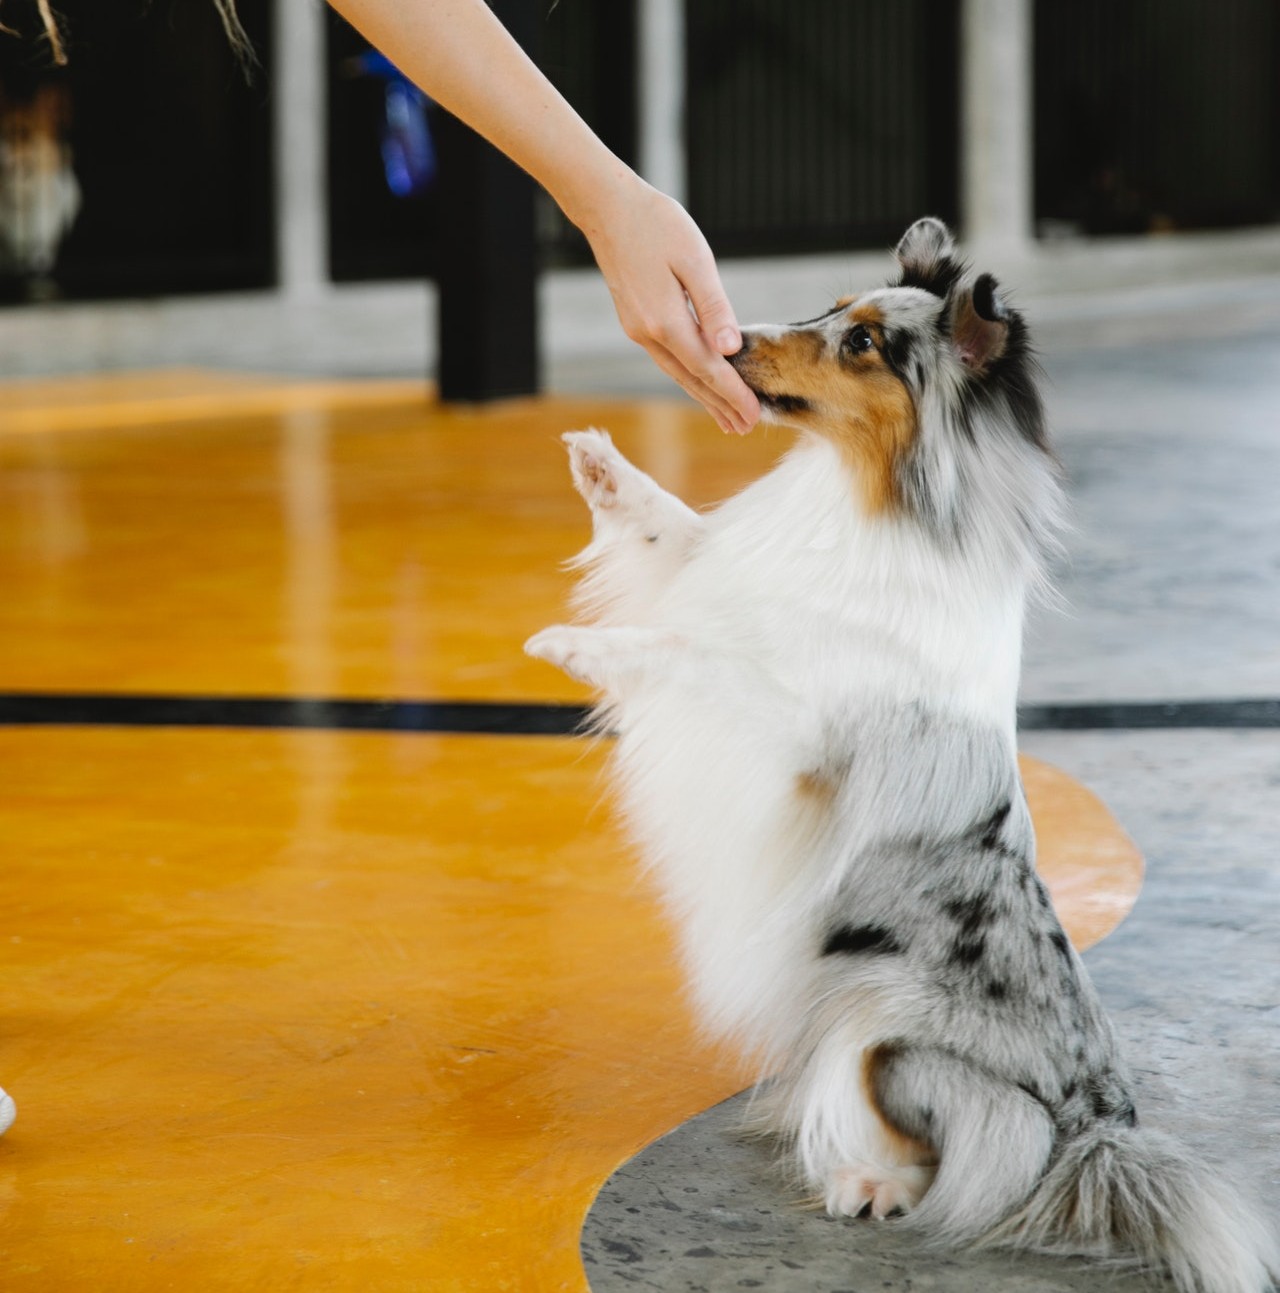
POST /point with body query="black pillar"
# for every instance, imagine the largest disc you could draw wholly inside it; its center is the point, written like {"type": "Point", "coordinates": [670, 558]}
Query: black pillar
{"type": "Point", "coordinates": [487, 277]}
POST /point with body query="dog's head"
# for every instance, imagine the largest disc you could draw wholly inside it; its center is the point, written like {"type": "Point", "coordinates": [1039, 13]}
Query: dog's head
{"type": "Point", "coordinates": [936, 354]}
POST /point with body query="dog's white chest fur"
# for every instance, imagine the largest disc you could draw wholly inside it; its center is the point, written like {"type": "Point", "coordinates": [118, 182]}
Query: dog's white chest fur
{"type": "Point", "coordinates": [791, 578]}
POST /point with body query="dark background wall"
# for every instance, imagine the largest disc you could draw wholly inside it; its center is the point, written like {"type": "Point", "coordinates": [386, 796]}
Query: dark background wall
{"type": "Point", "coordinates": [812, 126]}
{"type": "Point", "coordinates": [820, 125]}
{"type": "Point", "coordinates": [172, 145]}
{"type": "Point", "coordinates": [1154, 115]}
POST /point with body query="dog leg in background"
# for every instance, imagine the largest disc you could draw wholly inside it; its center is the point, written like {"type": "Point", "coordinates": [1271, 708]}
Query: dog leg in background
{"type": "Point", "coordinates": [616, 657]}
{"type": "Point", "coordinates": [606, 658]}
{"type": "Point", "coordinates": [640, 533]}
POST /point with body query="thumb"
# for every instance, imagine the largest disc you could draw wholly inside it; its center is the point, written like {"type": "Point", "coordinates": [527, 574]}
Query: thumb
{"type": "Point", "coordinates": [711, 305]}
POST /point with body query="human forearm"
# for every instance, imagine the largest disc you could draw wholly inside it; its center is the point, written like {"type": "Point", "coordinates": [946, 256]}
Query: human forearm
{"type": "Point", "coordinates": [461, 56]}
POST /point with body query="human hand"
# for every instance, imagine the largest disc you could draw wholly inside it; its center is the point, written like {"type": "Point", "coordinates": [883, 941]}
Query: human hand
{"type": "Point", "coordinates": [656, 264]}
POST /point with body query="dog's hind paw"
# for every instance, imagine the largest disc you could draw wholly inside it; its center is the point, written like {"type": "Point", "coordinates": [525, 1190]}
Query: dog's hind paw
{"type": "Point", "coordinates": [851, 1190]}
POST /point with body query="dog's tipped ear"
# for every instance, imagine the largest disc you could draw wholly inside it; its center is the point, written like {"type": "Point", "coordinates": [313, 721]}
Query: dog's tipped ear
{"type": "Point", "coordinates": [979, 324]}
{"type": "Point", "coordinates": [924, 244]}
{"type": "Point", "coordinates": [926, 253]}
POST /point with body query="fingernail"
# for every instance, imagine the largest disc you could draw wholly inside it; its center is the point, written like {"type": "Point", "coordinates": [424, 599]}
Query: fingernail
{"type": "Point", "coordinates": [728, 341]}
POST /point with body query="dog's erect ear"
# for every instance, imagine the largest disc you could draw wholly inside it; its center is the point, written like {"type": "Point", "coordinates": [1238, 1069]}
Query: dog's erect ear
{"type": "Point", "coordinates": [979, 324]}
{"type": "Point", "coordinates": [927, 256]}
{"type": "Point", "coordinates": [924, 244]}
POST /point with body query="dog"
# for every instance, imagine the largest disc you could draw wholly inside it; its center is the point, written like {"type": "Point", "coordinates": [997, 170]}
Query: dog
{"type": "Point", "coordinates": [813, 688]}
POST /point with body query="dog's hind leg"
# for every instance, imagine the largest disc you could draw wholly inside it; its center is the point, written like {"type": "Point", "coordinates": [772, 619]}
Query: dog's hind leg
{"type": "Point", "coordinates": [844, 1146]}
{"type": "Point", "coordinates": [994, 1140]}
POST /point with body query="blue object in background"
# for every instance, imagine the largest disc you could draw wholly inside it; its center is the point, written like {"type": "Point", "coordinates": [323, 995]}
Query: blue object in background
{"type": "Point", "coordinates": [408, 151]}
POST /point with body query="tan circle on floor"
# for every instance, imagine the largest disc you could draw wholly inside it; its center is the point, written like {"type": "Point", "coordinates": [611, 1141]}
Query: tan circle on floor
{"type": "Point", "coordinates": [1093, 869]}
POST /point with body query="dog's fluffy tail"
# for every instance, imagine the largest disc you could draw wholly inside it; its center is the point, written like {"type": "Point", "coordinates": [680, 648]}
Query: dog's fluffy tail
{"type": "Point", "coordinates": [1119, 1192]}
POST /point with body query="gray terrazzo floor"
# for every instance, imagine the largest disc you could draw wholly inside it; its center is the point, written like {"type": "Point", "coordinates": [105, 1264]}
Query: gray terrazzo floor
{"type": "Point", "coordinates": [1173, 593]}
{"type": "Point", "coordinates": [1172, 585]}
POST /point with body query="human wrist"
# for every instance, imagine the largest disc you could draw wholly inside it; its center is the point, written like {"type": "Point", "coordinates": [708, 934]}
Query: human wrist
{"type": "Point", "coordinates": [594, 193]}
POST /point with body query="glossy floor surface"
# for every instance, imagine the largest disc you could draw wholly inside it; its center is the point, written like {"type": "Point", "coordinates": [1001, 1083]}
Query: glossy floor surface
{"type": "Point", "coordinates": [316, 1009]}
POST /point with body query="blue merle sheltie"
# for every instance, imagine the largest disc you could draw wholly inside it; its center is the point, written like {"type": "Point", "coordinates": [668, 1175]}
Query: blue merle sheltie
{"type": "Point", "coordinates": [814, 688]}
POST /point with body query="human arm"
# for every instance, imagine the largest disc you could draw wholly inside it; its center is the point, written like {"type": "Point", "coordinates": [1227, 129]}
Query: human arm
{"type": "Point", "coordinates": [649, 250]}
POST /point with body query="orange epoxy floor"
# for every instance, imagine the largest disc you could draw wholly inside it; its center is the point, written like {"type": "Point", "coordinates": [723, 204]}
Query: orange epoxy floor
{"type": "Point", "coordinates": [309, 1010]}
{"type": "Point", "coordinates": [319, 1010]}
{"type": "Point", "coordinates": [369, 547]}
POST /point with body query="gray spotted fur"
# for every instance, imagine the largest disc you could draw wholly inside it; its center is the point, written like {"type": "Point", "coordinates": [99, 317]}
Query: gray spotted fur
{"type": "Point", "coordinates": [1004, 1059]}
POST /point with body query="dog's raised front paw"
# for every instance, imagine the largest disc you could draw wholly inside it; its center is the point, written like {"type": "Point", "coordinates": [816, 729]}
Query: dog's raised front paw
{"type": "Point", "coordinates": [850, 1190]}
{"type": "Point", "coordinates": [595, 465]}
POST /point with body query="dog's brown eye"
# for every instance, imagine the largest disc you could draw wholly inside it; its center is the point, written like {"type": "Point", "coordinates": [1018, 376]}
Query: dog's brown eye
{"type": "Point", "coordinates": [857, 341]}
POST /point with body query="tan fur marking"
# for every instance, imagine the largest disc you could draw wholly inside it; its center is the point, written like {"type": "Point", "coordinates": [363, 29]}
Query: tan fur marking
{"type": "Point", "coordinates": [868, 314]}
{"type": "Point", "coordinates": [859, 404]}
{"type": "Point", "coordinates": [877, 434]}
{"type": "Point", "coordinates": [814, 805]}
{"type": "Point", "coordinates": [816, 789]}
{"type": "Point", "coordinates": [910, 1151]}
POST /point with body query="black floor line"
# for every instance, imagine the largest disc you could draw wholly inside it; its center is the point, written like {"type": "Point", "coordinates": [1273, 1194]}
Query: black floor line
{"type": "Point", "coordinates": [1097, 717]}
{"type": "Point", "coordinates": [530, 719]}
{"type": "Point", "coordinates": [492, 717]}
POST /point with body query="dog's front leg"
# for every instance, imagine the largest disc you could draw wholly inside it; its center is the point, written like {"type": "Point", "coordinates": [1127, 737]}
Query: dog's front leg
{"type": "Point", "coordinates": [641, 536]}
{"type": "Point", "coordinates": [605, 658]}
{"type": "Point", "coordinates": [622, 499]}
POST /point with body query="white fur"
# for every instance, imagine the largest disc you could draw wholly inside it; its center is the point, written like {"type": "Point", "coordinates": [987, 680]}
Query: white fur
{"type": "Point", "coordinates": [786, 607]}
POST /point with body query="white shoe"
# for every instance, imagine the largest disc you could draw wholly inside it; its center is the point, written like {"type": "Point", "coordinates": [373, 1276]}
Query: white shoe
{"type": "Point", "coordinates": [8, 1112]}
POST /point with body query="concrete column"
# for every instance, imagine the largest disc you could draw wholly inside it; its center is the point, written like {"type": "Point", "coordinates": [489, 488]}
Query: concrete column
{"type": "Point", "coordinates": [298, 95]}
{"type": "Point", "coordinates": [487, 272]}
{"type": "Point", "coordinates": [660, 85]}
{"type": "Point", "coordinates": [997, 124]}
